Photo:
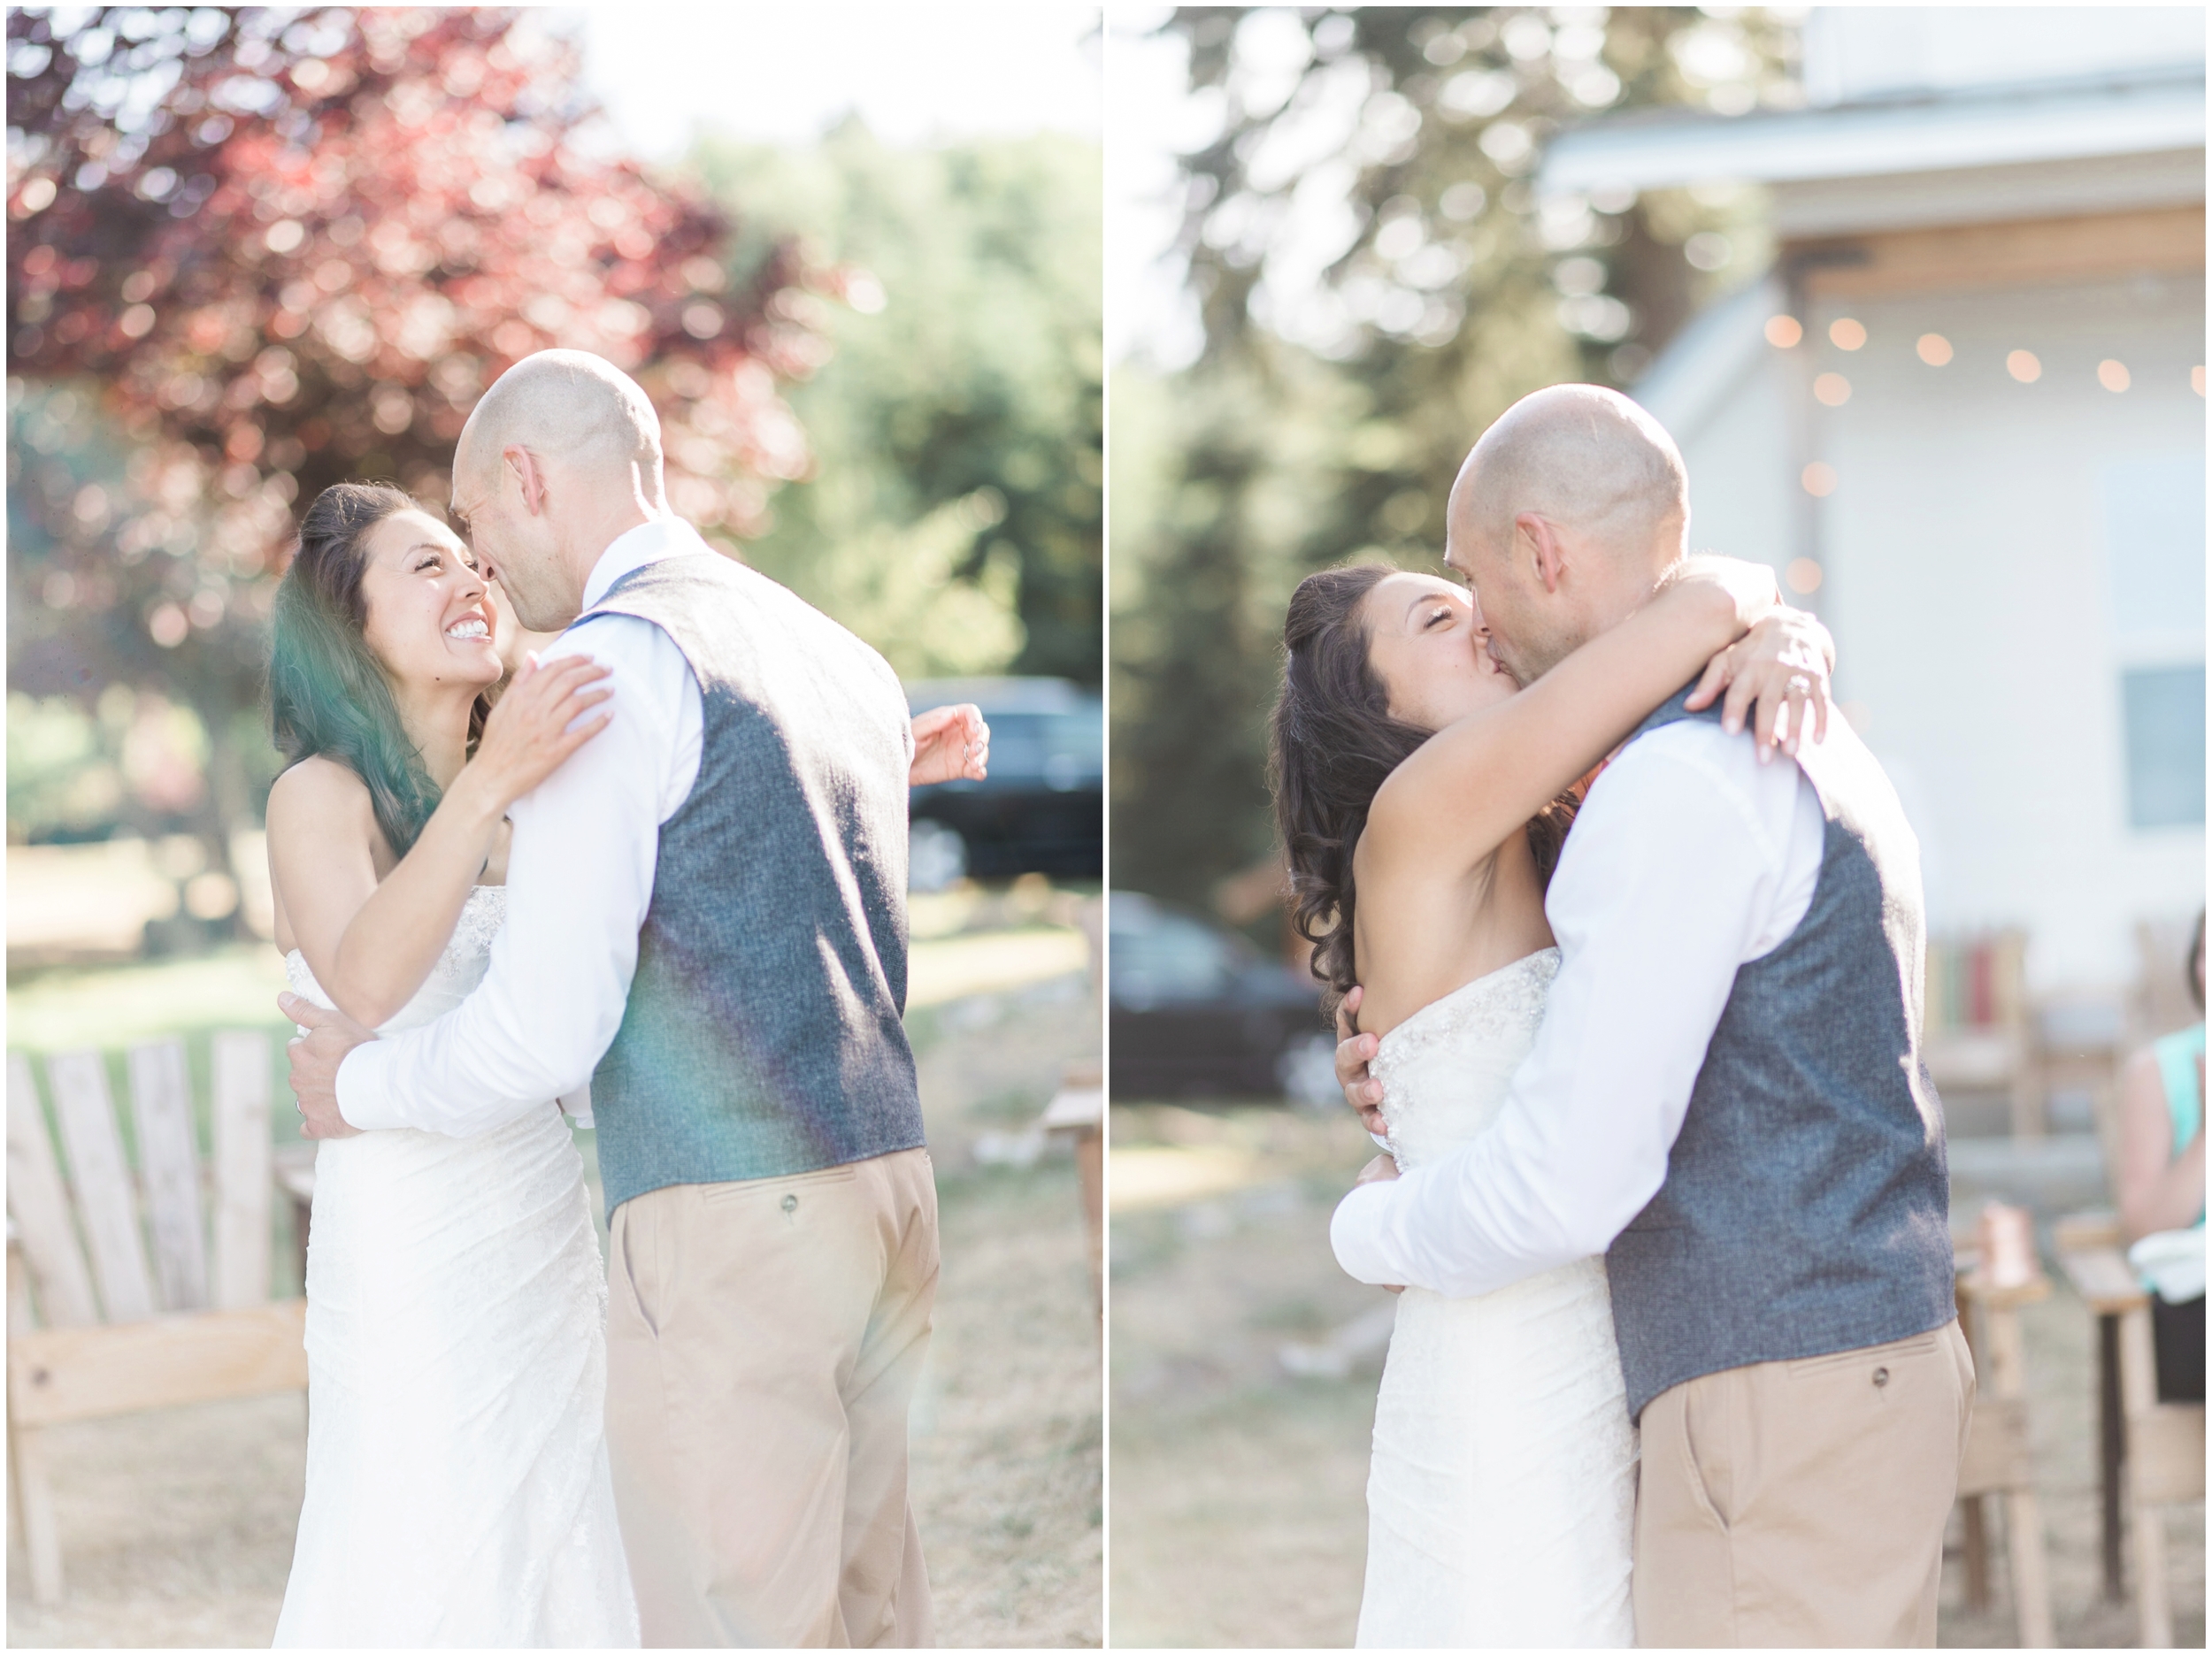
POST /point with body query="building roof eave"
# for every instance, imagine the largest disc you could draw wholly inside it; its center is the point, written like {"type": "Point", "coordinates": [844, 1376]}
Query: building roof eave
{"type": "Point", "coordinates": [2022, 126]}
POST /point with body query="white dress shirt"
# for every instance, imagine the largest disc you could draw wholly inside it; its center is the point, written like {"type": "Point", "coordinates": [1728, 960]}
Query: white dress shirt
{"type": "Point", "coordinates": [1689, 858]}
{"type": "Point", "coordinates": [580, 876]}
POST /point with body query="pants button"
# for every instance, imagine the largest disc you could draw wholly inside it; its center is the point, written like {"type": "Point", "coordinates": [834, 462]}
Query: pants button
{"type": "Point", "coordinates": [1881, 1376]}
{"type": "Point", "coordinates": [791, 1205]}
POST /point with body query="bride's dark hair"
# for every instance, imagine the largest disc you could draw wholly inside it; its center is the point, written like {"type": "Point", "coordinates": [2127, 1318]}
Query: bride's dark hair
{"type": "Point", "coordinates": [1334, 743]}
{"type": "Point", "coordinates": [328, 692]}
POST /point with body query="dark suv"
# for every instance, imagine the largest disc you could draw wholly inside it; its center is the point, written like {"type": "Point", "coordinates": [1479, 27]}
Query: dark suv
{"type": "Point", "coordinates": [1043, 808]}
{"type": "Point", "coordinates": [1196, 1011]}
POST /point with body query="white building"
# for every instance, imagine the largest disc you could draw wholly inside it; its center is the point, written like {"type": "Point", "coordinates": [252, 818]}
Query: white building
{"type": "Point", "coordinates": [1985, 461]}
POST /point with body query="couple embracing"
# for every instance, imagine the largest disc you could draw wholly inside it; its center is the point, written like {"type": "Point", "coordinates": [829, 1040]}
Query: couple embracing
{"type": "Point", "coordinates": [662, 877]}
{"type": "Point", "coordinates": [1625, 935]}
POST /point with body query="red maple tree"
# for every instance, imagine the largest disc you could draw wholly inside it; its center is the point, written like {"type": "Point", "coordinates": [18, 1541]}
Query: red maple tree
{"type": "Point", "coordinates": [254, 252]}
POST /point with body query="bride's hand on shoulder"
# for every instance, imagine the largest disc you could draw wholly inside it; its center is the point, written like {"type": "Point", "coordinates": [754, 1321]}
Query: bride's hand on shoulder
{"type": "Point", "coordinates": [542, 715]}
{"type": "Point", "coordinates": [1778, 672]}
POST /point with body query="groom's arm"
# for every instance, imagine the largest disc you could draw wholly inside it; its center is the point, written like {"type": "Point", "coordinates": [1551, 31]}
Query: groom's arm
{"type": "Point", "coordinates": [580, 876]}
{"type": "Point", "coordinates": [1688, 859]}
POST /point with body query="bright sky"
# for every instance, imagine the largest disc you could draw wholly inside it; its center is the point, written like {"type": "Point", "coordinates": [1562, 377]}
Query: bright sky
{"type": "Point", "coordinates": [1148, 314]}
{"type": "Point", "coordinates": [783, 73]}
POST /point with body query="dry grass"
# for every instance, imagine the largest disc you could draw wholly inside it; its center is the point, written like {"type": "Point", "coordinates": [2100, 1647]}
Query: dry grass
{"type": "Point", "coordinates": [178, 1526]}
{"type": "Point", "coordinates": [1239, 1515]}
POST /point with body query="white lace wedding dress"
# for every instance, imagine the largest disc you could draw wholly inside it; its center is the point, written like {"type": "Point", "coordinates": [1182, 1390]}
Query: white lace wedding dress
{"type": "Point", "coordinates": [1503, 1490]}
{"type": "Point", "coordinates": [457, 1489]}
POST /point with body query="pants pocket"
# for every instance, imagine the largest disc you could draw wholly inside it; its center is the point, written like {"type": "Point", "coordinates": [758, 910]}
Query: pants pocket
{"type": "Point", "coordinates": [1706, 1440]}
{"type": "Point", "coordinates": [621, 1247]}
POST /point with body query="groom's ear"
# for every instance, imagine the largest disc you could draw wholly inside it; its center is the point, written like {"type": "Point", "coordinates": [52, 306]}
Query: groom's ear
{"type": "Point", "coordinates": [1542, 538]}
{"type": "Point", "coordinates": [529, 477]}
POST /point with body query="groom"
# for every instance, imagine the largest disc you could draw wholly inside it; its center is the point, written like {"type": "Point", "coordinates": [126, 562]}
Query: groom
{"type": "Point", "coordinates": [707, 921]}
{"type": "Point", "coordinates": [1726, 1100]}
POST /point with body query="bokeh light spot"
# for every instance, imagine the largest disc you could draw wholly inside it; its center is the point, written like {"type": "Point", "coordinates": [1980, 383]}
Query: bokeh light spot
{"type": "Point", "coordinates": [1846, 334]}
{"type": "Point", "coordinates": [1833, 388]}
{"type": "Point", "coordinates": [1784, 331]}
{"type": "Point", "coordinates": [1819, 478]}
{"type": "Point", "coordinates": [1802, 576]}
{"type": "Point", "coordinates": [2113, 375]}
{"type": "Point", "coordinates": [2022, 366]}
{"type": "Point", "coordinates": [1934, 350]}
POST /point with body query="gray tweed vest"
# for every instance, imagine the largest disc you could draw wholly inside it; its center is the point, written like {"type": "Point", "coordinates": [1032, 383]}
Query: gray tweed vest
{"type": "Point", "coordinates": [1806, 1209]}
{"type": "Point", "coordinates": [763, 1033]}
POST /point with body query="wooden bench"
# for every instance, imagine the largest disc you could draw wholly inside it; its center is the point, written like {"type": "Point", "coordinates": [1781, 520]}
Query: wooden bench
{"type": "Point", "coordinates": [99, 1326]}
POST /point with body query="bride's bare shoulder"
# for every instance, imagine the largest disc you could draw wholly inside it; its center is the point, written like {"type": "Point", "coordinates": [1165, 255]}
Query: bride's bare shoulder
{"type": "Point", "coordinates": [318, 783]}
{"type": "Point", "coordinates": [318, 796]}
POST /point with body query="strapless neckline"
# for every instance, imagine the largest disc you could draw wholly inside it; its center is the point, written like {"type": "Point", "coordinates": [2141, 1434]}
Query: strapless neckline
{"type": "Point", "coordinates": [1443, 1005]}
{"type": "Point", "coordinates": [459, 966]}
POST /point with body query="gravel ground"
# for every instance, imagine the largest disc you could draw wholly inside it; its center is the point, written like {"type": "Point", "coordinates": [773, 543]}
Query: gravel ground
{"type": "Point", "coordinates": [178, 1526]}
{"type": "Point", "coordinates": [1239, 1512]}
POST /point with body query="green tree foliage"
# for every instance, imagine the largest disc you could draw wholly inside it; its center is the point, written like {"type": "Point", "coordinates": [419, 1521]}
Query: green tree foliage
{"type": "Point", "coordinates": [954, 516]}
{"type": "Point", "coordinates": [1377, 280]}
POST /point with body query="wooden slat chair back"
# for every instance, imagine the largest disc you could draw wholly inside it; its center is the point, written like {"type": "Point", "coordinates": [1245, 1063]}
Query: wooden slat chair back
{"type": "Point", "coordinates": [99, 1323]}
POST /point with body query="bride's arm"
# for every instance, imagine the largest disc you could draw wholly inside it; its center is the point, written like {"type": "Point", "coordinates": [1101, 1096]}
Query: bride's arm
{"type": "Point", "coordinates": [372, 945]}
{"type": "Point", "coordinates": [1479, 780]}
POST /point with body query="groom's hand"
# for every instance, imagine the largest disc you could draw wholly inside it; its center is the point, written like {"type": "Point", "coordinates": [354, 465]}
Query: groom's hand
{"type": "Point", "coordinates": [1355, 1051]}
{"type": "Point", "coordinates": [315, 1057]}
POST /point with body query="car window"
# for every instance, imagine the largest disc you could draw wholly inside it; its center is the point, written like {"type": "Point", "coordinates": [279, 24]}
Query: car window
{"type": "Point", "coordinates": [1170, 958]}
{"type": "Point", "coordinates": [1064, 750]}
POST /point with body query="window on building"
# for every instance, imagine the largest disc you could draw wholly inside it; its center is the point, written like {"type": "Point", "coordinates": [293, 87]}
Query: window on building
{"type": "Point", "coordinates": [2153, 524]}
{"type": "Point", "coordinates": [2164, 708]}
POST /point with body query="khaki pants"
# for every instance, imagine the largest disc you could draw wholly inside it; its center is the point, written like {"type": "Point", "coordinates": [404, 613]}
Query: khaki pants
{"type": "Point", "coordinates": [1803, 1504]}
{"type": "Point", "coordinates": [764, 1339]}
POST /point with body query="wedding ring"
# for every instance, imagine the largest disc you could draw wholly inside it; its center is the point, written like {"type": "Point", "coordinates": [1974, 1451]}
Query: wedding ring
{"type": "Point", "coordinates": [1802, 685]}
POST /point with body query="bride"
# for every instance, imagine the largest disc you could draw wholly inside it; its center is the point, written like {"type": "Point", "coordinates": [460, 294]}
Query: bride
{"type": "Point", "coordinates": [458, 1483]}
{"type": "Point", "coordinates": [1423, 798]}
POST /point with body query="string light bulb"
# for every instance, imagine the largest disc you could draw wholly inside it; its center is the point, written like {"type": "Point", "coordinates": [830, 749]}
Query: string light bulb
{"type": "Point", "coordinates": [1934, 350]}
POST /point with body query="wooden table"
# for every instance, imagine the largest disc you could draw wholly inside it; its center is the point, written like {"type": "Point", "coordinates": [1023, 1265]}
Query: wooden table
{"type": "Point", "coordinates": [2088, 1253]}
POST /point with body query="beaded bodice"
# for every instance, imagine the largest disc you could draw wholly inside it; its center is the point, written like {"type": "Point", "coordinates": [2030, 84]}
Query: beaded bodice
{"type": "Point", "coordinates": [1445, 1070]}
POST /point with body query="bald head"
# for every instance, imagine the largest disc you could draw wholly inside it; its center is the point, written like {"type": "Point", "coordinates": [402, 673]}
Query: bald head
{"type": "Point", "coordinates": [559, 458]}
{"type": "Point", "coordinates": [572, 410]}
{"type": "Point", "coordinates": [1587, 458]}
{"type": "Point", "coordinates": [1564, 518]}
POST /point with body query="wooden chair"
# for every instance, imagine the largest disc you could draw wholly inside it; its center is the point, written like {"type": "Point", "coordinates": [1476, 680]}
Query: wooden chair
{"type": "Point", "coordinates": [1998, 1461]}
{"type": "Point", "coordinates": [93, 1331]}
{"type": "Point", "coordinates": [1078, 1109]}
{"type": "Point", "coordinates": [1979, 1033]}
{"type": "Point", "coordinates": [2153, 1451]}
{"type": "Point", "coordinates": [2159, 1002]}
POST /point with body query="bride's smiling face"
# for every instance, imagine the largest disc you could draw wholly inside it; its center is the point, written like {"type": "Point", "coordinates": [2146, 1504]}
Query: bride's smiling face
{"type": "Point", "coordinates": [431, 621]}
{"type": "Point", "coordinates": [1426, 643]}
